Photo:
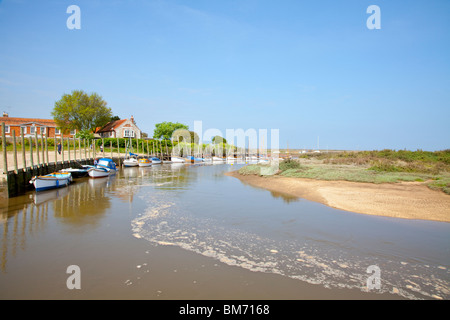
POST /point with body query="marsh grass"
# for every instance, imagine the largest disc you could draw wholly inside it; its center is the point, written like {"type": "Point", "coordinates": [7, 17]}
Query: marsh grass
{"type": "Point", "coordinates": [386, 166]}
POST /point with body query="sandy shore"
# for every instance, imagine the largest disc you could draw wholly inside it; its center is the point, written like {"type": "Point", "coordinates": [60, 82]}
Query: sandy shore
{"type": "Point", "coordinates": [407, 200]}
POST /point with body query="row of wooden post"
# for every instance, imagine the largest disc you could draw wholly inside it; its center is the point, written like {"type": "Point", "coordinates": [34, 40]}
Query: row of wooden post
{"type": "Point", "coordinates": [42, 153]}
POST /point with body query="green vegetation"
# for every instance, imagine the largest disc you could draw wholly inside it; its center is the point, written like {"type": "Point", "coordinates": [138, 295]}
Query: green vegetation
{"type": "Point", "coordinates": [81, 111]}
{"type": "Point", "coordinates": [386, 166]}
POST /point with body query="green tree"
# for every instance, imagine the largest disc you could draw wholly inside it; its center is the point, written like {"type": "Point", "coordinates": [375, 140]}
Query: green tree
{"type": "Point", "coordinates": [81, 111]}
{"type": "Point", "coordinates": [219, 139]}
{"type": "Point", "coordinates": [165, 129]}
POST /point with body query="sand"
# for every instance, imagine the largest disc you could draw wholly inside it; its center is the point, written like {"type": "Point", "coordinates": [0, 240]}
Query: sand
{"type": "Point", "coordinates": [407, 200]}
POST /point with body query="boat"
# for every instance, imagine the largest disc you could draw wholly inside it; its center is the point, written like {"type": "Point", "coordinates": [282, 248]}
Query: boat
{"type": "Point", "coordinates": [77, 172]}
{"type": "Point", "coordinates": [144, 162]}
{"type": "Point", "coordinates": [177, 160]}
{"type": "Point", "coordinates": [218, 159]}
{"type": "Point", "coordinates": [99, 172]}
{"type": "Point", "coordinates": [107, 163]}
{"type": "Point", "coordinates": [155, 160]}
{"type": "Point", "coordinates": [131, 161]}
{"type": "Point", "coordinates": [51, 181]}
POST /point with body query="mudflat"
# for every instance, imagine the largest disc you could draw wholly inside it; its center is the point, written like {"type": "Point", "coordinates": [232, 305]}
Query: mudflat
{"type": "Point", "coordinates": [407, 200]}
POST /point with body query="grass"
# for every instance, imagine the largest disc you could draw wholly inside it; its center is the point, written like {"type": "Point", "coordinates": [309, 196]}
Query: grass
{"type": "Point", "coordinates": [386, 166]}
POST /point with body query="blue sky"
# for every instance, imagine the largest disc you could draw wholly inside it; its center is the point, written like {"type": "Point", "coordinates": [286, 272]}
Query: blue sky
{"type": "Point", "coordinates": [308, 68]}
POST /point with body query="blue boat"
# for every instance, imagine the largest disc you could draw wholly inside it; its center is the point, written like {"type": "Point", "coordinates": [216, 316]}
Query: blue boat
{"type": "Point", "coordinates": [108, 164]}
{"type": "Point", "coordinates": [155, 160]}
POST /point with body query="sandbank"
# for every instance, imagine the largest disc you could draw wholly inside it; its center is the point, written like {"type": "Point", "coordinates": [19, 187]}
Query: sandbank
{"type": "Point", "coordinates": [406, 200]}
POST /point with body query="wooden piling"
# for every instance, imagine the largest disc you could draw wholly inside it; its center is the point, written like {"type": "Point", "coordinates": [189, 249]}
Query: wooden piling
{"type": "Point", "coordinates": [5, 154]}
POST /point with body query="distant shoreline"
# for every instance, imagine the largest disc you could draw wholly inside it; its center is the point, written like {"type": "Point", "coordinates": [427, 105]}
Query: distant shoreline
{"type": "Point", "coordinates": [406, 200]}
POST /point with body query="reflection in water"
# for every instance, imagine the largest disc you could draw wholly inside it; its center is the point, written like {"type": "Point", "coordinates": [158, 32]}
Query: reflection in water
{"type": "Point", "coordinates": [198, 208]}
{"type": "Point", "coordinates": [241, 226]}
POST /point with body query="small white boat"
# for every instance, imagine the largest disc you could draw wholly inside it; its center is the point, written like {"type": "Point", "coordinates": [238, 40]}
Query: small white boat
{"type": "Point", "coordinates": [99, 172]}
{"type": "Point", "coordinates": [144, 162]}
{"type": "Point", "coordinates": [177, 160]}
{"type": "Point", "coordinates": [131, 162]}
{"type": "Point", "coordinates": [51, 181]}
{"type": "Point", "coordinates": [218, 159]}
{"type": "Point", "coordinates": [155, 160]}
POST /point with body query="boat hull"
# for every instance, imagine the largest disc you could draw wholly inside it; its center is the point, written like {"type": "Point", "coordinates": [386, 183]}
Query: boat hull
{"type": "Point", "coordinates": [130, 163]}
{"type": "Point", "coordinates": [145, 163]}
{"type": "Point", "coordinates": [51, 181]}
{"type": "Point", "coordinates": [177, 160]}
{"type": "Point", "coordinates": [98, 172]}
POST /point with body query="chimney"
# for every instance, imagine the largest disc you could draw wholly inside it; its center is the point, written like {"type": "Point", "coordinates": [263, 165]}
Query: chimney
{"type": "Point", "coordinates": [132, 119]}
{"type": "Point", "coordinates": [5, 114]}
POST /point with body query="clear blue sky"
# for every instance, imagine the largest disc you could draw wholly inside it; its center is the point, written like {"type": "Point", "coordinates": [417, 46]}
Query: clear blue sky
{"type": "Point", "coordinates": [308, 68]}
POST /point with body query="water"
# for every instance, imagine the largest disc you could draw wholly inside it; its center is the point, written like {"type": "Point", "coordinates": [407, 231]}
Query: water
{"type": "Point", "coordinates": [200, 212]}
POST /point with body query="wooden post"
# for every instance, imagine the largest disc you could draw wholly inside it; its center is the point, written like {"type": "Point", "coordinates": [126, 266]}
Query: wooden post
{"type": "Point", "coordinates": [102, 149]}
{"type": "Point", "coordinates": [46, 146]}
{"type": "Point", "coordinates": [55, 144]}
{"type": "Point", "coordinates": [42, 147]}
{"type": "Point", "coordinates": [68, 147]}
{"type": "Point", "coordinates": [110, 148]}
{"type": "Point", "coordinates": [118, 148]}
{"type": "Point", "coordinates": [137, 146]}
{"type": "Point", "coordinates": [62, 148]}
{"type": "Point", "coordinates": [74, 148]}
{"type": "Point", "coordinates": [24, 160]}
{"type": "Point", "coordinates": [31, 152]}
{"type": "Point", "coordinates": [148, 154]}
{"type": "Point", "coordinates": [37, 148]}
{"type": "Point", "coordinates": [16, 167]}
{"type": "Point", "coordinates": [85, 153]}
{"type": "Point", "coordinates": [79, 148]}
{"type": "Point", "coordinates": [5, 153]}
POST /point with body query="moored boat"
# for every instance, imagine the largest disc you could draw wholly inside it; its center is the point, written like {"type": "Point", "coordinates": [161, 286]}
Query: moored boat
{"type": "Point", "coordinates": [77, 172]}
{"type": "Point", "coordinates": [177, 160]}
{"type": "Point", "coordinates": [144, 162]}
{"type": "Point", "coordinates": [131, 161]}
{"type": "Point", "coordinates": [99, 172]}
{"type": "Point", "coordinates": [51, 181]}
{"type": "Point", "coordinates": [155, 160]}
{"type": "Point", "coordinates": [107, 163]}
{"type": "Point", "coordinates": [218, 159]}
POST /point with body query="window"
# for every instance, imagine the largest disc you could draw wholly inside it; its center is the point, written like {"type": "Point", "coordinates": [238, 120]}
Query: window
{"type": "Point", "coordinates": [7, 129]}
{"type": "Point", "coordinates": [32, 129]}
{"type": "Point", "coordinates": [72, 132]}
{"type": "Point", "coordinates": [128, 133]}
{"type": "Point", "coordinates": [43, 130]}
{"type": "Point", "coordinates": [24, 129]}
{"type": "Point", "coordinates": [57, 131]}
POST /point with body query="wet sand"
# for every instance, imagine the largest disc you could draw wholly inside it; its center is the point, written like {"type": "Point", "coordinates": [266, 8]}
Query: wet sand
{"type": "Point", "coordinates": [407, 200]}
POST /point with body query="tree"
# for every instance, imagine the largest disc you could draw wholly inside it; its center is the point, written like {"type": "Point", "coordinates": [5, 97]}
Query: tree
{"type": "Point", "coordinates": [219, 139]}
{"type": "Point", "coordinates": [166, 129]}
{"type": "Point", "coordinates": [81, 111]}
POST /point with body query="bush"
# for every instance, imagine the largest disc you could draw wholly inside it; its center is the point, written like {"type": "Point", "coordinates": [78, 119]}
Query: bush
{"type": "Point", "coordinates": [289, 164]}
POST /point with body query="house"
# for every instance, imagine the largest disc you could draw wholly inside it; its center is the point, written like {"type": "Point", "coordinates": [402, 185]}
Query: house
{"type": "Point", "coordinates": [125, 128]}
{"type": "Point", "coordinates": [32, 126]}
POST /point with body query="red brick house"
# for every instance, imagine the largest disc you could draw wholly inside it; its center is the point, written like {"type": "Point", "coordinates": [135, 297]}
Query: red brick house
{"type": "Point", "coordinates": [31, 126]}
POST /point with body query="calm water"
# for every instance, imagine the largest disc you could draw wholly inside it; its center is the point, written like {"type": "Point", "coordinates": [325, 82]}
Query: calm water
{"type": "Point", "coordinates": [197, 211]}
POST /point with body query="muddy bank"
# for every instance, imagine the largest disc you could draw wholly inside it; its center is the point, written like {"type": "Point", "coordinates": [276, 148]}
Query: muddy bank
{"type": "Point", "coordinates": [407, 200]}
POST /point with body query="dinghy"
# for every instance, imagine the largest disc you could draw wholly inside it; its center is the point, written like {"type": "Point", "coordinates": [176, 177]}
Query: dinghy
{"type": "Point", "coordinates": [177, 160]}
{"type": "Point", "coordinates": [144, 162]}
{"type": "Point", "coordinates": [99, 172]}
{"type": "Point", "coordinates": [107, 163]}
{"type": "Point", "coordinates": [51, 181]}
{"type": "Point", "coordinates": [77, 172]}
{"type": "Point", "coordinates": [131, 161]}
{"type": "Point", "coordinates": [155, 160]}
